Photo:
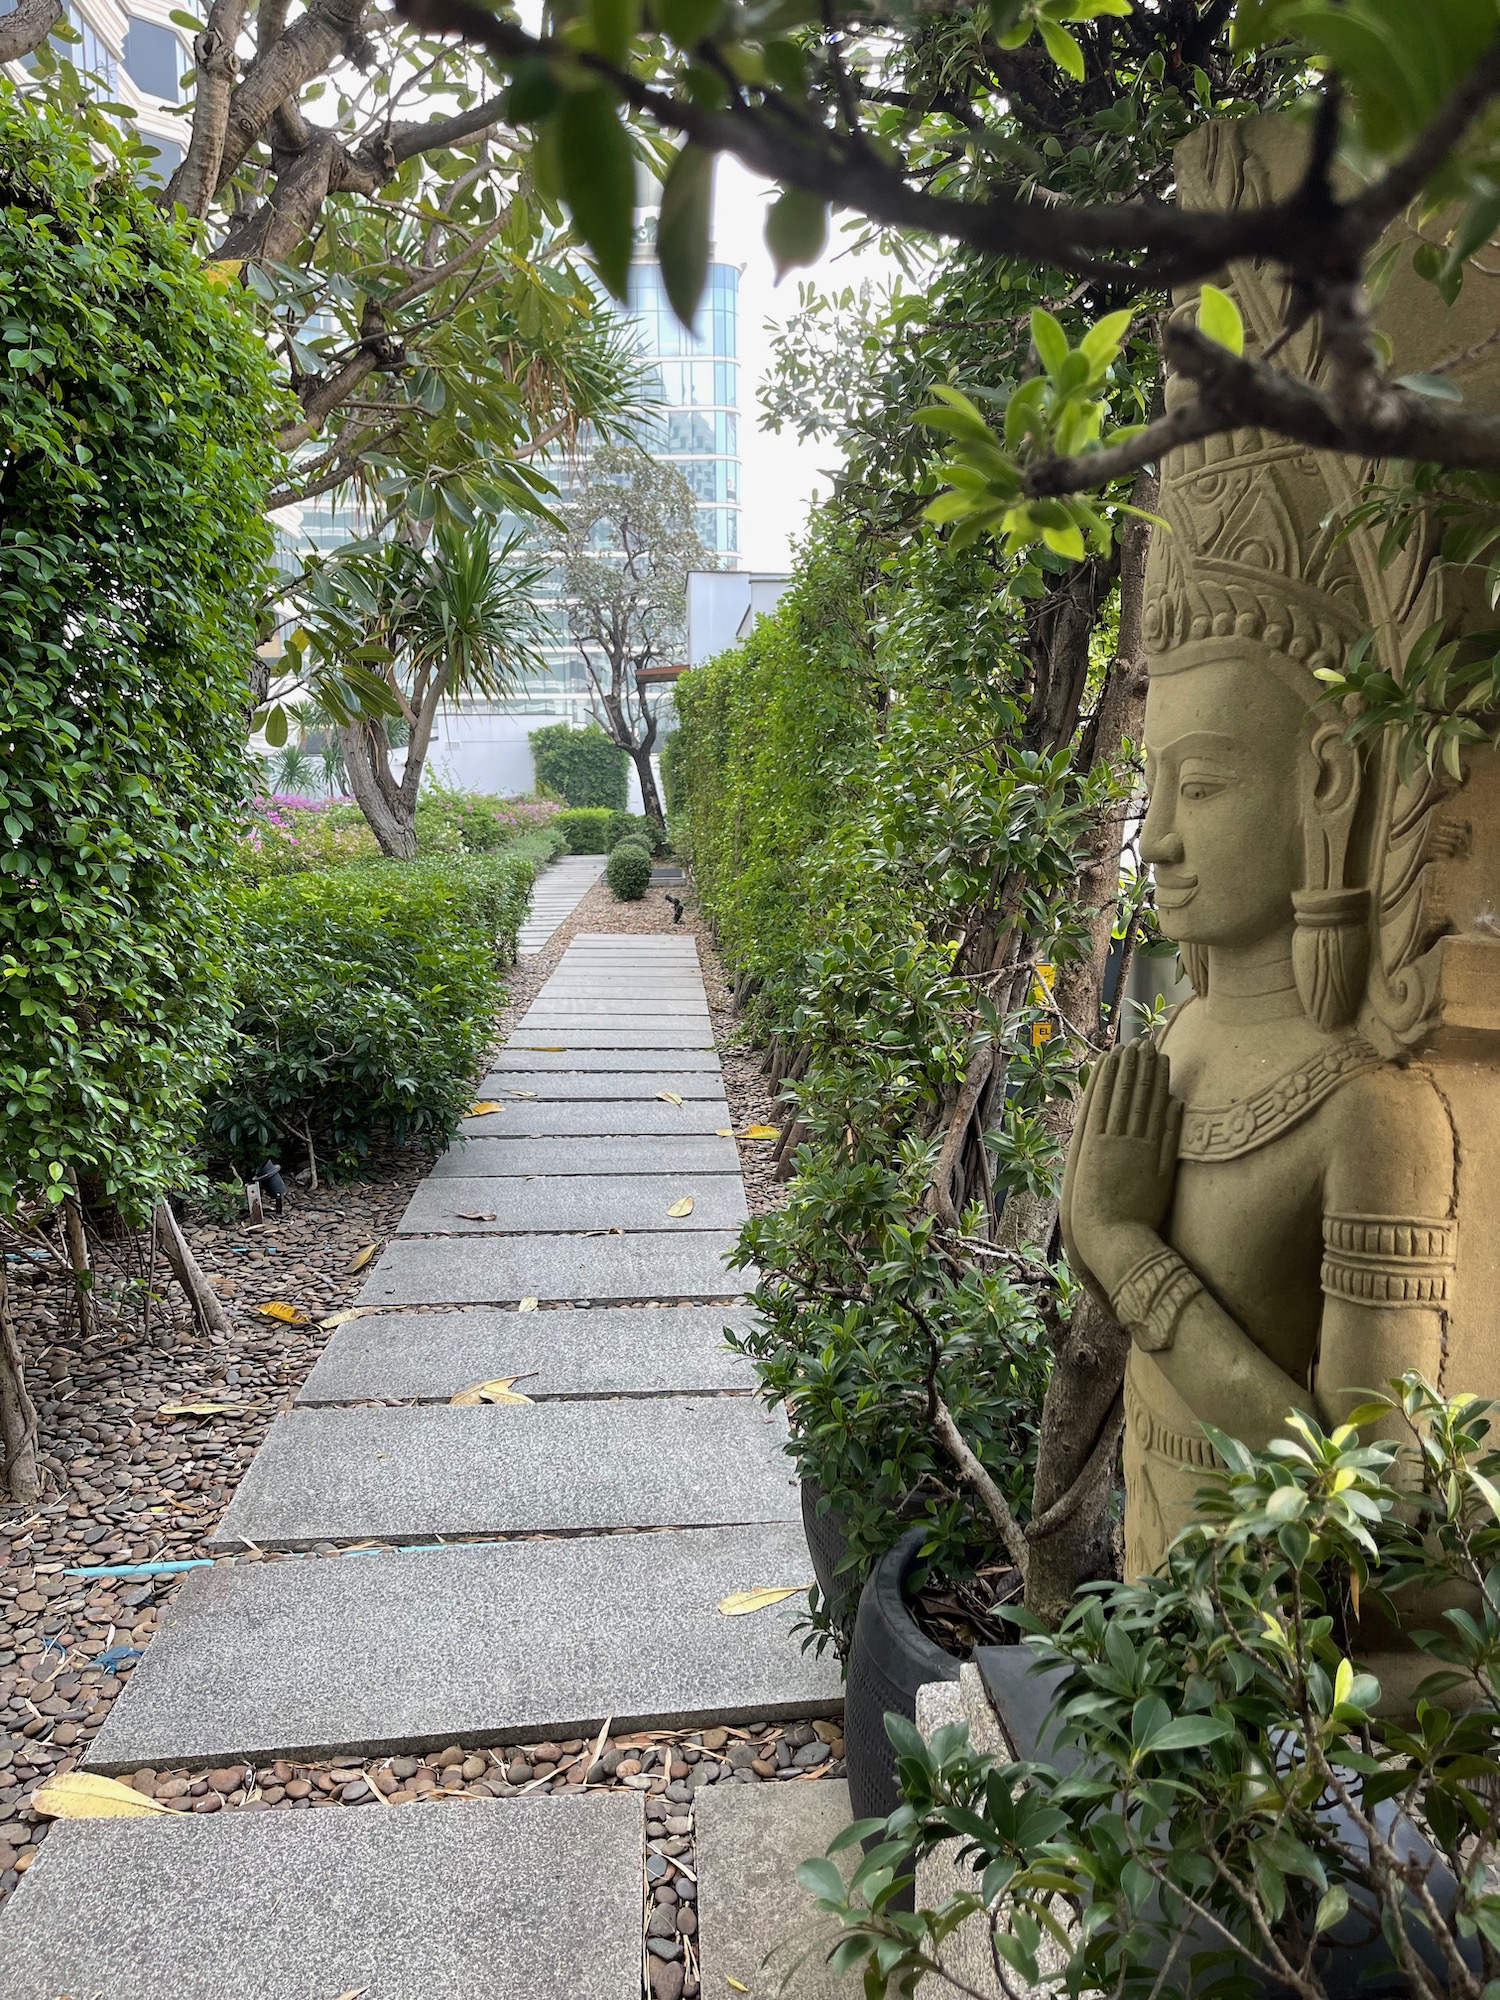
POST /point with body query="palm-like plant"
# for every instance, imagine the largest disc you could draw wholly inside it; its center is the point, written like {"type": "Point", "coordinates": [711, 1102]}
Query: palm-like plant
{"type": "Point", "coordinates": [457, 615]}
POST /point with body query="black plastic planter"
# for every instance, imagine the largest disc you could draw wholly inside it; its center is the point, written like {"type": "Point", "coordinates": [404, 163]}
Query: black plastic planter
{"type": "Point", "coordinates": [888, 1661]}
{"type": "Point", "coordinates": [827, 1544]}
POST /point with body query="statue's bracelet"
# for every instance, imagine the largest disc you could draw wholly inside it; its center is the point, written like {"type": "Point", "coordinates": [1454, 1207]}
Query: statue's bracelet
{"type": "Point", "coordinates": [1152, 1296]}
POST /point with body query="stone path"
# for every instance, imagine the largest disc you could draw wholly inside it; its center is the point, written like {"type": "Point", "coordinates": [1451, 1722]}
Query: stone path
{"type": "Point", "coordinates": [558, 892]}
{"type": "Point", "coordinates": [602, 1524]}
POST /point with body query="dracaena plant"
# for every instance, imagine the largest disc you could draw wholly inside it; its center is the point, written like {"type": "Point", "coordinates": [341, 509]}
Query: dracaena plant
{"type": "Point", "coordinates": [1236, 1802]}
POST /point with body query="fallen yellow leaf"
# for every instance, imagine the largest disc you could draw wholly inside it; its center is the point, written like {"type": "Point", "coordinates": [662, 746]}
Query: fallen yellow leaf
{"type": "Point", "coordinates": [360, 1258]}
{"type": "Point", "coordinates": [484, 1107]}
{"type": "Point", "coordinates": [81, 1795]}
{"type": "Point", "coordinates": [341, 1318]}
{"type": "Point", "coordinates": [762, 1131]}
{"type": "Point", "coordinates": [740, 1602]}
{"type": "Point", "coordinates": [669, 1097]}
{"type": "Point", "coordinates": [724, 1131]}
{"type": "Point", "coordinates": [288, 1315]}
{"type": "Point", "coordinates": [475, 1214]}
{"type": "Point", "coordinates": [527, 1306]}
{"type": "Point", "coordinates": [683, 1207]}
{"type": "Point", "coordinates": [735, 1985]}
{"type": "Point", "coordinates": [544, 1048]}
{"type": "Point", "coordinates": [520, 1093]}
{"type": "Point", "coordinates": [500, 1390]}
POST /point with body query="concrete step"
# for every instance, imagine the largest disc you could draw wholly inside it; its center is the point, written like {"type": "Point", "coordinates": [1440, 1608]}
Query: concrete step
{"type": "Point", "coordinates": [484, 1643]}
{"type": "Point", "coordinates": [758, 1932]}
{"type": "Point", "coordinates": [408, 1474]}
{"type": "Point", "coordinates": [525, 1899]}
{"type": "Point", "coordinates": [486, 1159]}
{"type": "Point", "coordinates": [571, 1202]}
{"type": "Point", "coordinates": [503, 1270]}
{"type": "Point", "coordinates": [621, 1351]}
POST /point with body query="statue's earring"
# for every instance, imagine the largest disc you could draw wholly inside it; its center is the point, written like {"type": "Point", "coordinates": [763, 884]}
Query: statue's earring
{"type": "Point", "coordinates": [1331, 943]}
{"type": "Point", "coordinates": [1331, 952]}
{"type": "Point", "coordinates": [1195, 964]}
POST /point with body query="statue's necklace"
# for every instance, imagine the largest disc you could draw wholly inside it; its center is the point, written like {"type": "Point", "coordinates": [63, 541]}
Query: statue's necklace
{"type": "Point", "coordinates": [1226, 1132]}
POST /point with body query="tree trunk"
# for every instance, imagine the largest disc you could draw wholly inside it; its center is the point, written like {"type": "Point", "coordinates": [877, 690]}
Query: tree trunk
{"type": "Point", "coordinates": [651, 805]}
{"type": "Point", "coordinates": [208, 1312]}
{"type": "Point", "coordinates": [18, 1428]}
{"type": "Point", "coordinates": [381, 800]}
{"type": "Point", "coordinates": [78, 1257]}
{"type": "Point", "coordinates": [26, 27]}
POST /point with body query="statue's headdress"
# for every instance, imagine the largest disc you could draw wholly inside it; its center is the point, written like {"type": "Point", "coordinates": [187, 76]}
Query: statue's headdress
{"type": "Point", "coordinates": [1258, 561]}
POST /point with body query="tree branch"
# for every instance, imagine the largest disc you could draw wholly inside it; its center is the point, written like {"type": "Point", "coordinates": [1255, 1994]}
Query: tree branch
{"type": "Point", "coordinates": [27, 27]}
{"type": "Point", "coordinates": [994, 1501]}
{"type": "Point", "coordinates": [196, 181]}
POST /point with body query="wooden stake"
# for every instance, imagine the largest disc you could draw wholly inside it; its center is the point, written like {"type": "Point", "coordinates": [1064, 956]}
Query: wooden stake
{"type": "Point", "coordinates": [208, 1312]}
{"type": "Point", "coordinates": [18, 1428]}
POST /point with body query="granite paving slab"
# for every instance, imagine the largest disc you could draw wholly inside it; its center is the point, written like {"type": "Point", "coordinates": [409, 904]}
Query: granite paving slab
{"type": "Point", "coordinates": [598, 1118]}
{"type": "Point", "coordinates": [514, 1899]}
{"type": "Point", "coordinates": [604, 1001]}
{"type": "Point", "coordinates": [614, 1351]}
{"type": "Point", "coordinates": [563, 1202]}
{"type": "Point", "coordinates": [486, 1159]}
{"type": "Point", "coordinates": [626, 982]}
{"type": "Point", "coordinates": [502, 1270]}
{"type": "Point", "coordinates": [569, 1037]}
{"type": "Point", "coordinates": [585, 1063]}
{"type": "Point", "coordinates": [416, 1650]}
{"type": "Point", "coordinates": [559, 1086]}
{"type": "Point", "coordinates": [623, 1030]}
{"type": "Point", "coordinates": [410, 1473]}
{"type": "Point", "coordinates": [751, 1840]}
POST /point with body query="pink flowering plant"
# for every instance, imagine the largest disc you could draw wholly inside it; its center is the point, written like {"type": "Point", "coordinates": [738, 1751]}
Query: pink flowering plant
{"type": "Point", "coordinates": [288, 832]}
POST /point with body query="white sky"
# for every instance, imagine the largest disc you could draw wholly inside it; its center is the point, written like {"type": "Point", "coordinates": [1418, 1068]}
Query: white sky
{"type": "Point", "coordinates": [778, 476]}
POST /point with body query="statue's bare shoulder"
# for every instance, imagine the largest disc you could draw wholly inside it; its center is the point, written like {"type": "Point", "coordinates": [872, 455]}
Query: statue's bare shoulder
{"type": "Point", "coordinates": [1392, 1146]}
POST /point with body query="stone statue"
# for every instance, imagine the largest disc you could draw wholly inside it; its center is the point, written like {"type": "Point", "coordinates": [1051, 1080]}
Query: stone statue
{"type": "Point", "coordinates": [1292, 1193]}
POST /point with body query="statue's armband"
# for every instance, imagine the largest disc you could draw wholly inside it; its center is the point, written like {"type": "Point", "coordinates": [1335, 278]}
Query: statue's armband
{"type": "Point", "coordinates": [1389, 1260]}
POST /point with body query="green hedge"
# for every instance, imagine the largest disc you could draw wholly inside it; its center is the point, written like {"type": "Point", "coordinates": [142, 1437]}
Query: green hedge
{"type": "Point", "coordinates": [137, 406]}
{"type": "Point", "coordinates": [585, 828]}
{"type": "Point", "coordinates": [366, 1001]}
{"type": "Point", "coordinates": [584, 767]}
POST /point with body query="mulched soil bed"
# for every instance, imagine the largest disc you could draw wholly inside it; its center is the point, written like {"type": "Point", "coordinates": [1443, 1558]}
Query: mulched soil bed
{"type": "Point", "coordinates": [128, 1485]}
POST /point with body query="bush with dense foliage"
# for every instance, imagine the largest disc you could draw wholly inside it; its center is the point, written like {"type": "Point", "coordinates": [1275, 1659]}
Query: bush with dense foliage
{"type": "Point", "coordinates": [585, 828]}
{"type": "Point", "coordinates": [583, 767]}
{"type": "Point", "coordinates": [628, 871]}
{"type": "Point", "coordinates": [137, 407]}
{"type": "Point", "coordinates": [635, 826]}
{"type": "Point", "coordinates": [366, 997]}
{"type": "Point", "coordinates": [289, 833]}
{"type": "Point", "coordinates": [1240, 1816]}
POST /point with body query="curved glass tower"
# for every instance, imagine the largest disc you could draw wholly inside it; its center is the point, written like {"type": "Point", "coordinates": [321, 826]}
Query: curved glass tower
{"type": "Point", "coordinates": [696, 376]}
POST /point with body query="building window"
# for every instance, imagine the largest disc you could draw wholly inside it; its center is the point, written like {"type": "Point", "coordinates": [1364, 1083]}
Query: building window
{"type": "Point", "coordinates": [153, 56]}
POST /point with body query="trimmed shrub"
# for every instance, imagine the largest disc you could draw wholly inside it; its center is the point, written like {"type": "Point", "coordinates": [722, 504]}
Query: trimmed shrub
{"type": "Point", "coordinates": [628, 872]}
{"type": "Point", "coordinates": [584, 767]}
{"type": "Point", "coordinates": [585, 828]}
{"type": "Point", "coordinates": [366, 998]}
{"type": "Point", "coordinates": [138, 407]}
{"type": "Point", "coordinates": [482, 823]}
{"type": "Point", "coordinates": [635, 826]}
{"type": "Point", "coordinates": [288, 833]}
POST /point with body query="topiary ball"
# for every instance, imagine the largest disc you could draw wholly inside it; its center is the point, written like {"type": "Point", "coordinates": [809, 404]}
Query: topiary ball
{"type": "Point", "coordinates": [628, 872]}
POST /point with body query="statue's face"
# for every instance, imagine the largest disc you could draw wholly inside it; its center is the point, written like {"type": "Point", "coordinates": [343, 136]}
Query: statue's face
{"type": "Point", "coordinates": [1226, 746]}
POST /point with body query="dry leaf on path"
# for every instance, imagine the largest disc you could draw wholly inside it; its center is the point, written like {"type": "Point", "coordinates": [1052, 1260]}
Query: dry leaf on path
{"type": "Point", "coordinates": [498, 1390]}
{"type": "Point", "coordinates": [734, 1985]}
{"type": "Point", "coordinates": [724, 1131]}
{"type": "Point", "coordinates": [484, 1107]}
{"type": "Point", "coordinates": [683, 1207]}
{"type": "Point", "coordinates": [740, 1602]}
{"type": "Point", "coordinates": [331, 1320]}
{"type": "Point", "coordinates": [288, 1315]}
{"type": "Point", "coordinates": [762, 1131]}
{"type": "Point", "coordinates": [360, 1258]}
{"type": "Point", "coordinates": [669, 1096]}
{"type": "Point", "coordinates": [520, 1093]}
{"type": "Point", "coordinates": [542, 1048]}
{"type": "Point", "coordinates": [206, 1409]}
{"type": "Point", "coordinates": [354, 1993]}
{"type": "Point", "coordinates": [527, 1306]}
{"type": "Point", "coordinates": [82, 1795]}
{"type": "Point", "coordinates": [476, 1214]}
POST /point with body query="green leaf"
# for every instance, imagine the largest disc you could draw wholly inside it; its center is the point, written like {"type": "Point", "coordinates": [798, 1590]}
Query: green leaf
{"type": "Point", "coordinates": [1049, 340]}
{"type": "Point", "coordinates": [275, 726]}
{"type": "Point", "coordinates": [1219, 319]}
{"type": "Point", "coordinates": [684, 228]}
{"type": "Point", "coordinates": [1191, 1732]}
{"type": "Point", "coordinates": [687, 21]}
{"type": "Point", "coordinates": [614, 23]}
{"type": "Point", "coordinates": [534, 92]}
{"type": "Point", "coordinates": [1066, 541]}
{"type": "Point", "coordinates": [796, 229]}
{"type": "Point", "coordinates": [1063, 48]}
{"type": "Point", "coordinates": [1333, 1908]}
{"type": "Point", "coordinates": [597, 170]}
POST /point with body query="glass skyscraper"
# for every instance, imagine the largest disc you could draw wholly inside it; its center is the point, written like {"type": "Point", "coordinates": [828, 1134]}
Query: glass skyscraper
{"type": "Point", "coordinates": [696, 376]}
